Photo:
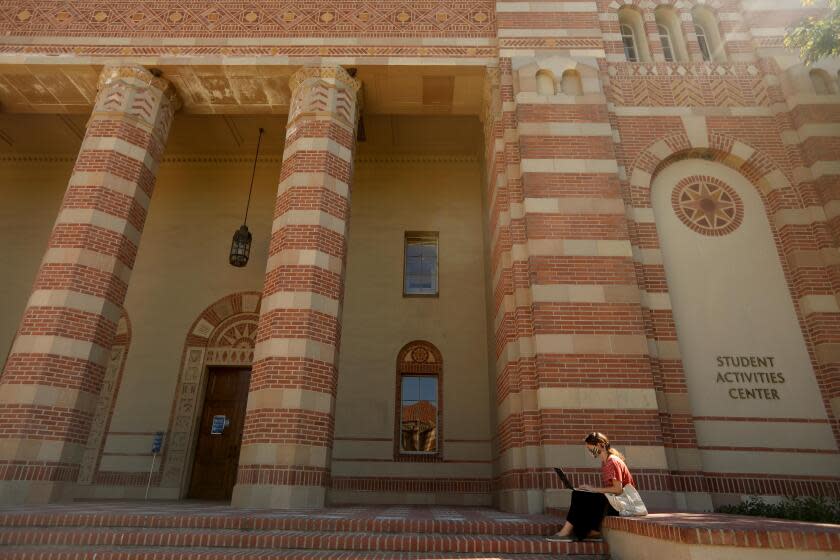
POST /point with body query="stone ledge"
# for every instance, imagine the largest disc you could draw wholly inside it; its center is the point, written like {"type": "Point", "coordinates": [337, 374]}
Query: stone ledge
{"type": "Point", "coordinates": [710, 529]}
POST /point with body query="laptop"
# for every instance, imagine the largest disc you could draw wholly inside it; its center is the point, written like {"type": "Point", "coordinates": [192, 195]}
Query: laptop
{"type": "Point", "coordinates": [566, 480]}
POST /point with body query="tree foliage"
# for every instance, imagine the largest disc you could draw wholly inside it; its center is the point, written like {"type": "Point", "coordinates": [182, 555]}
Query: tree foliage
{"type": "Point", "coordinates": [817, 37]}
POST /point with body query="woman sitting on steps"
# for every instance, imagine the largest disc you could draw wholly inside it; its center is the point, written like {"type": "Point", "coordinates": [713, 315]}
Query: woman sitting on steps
{"type": "Point", "coordinates": [589, 504]}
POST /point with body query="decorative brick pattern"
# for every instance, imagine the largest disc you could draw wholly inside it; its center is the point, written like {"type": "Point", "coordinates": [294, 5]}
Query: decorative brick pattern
{"type": "Point", "coordinates": [688, 85]}
{"type": "Point", "coordinates": [261, 18]}
{"type": "Point", "coordinates": [707, 205]}
{"type": "Point", "coordinates": [75, 306]}
{"type": "Point", "coordinates": [299, 52]}
{"type": "Point", "coordinates": [286, 449]}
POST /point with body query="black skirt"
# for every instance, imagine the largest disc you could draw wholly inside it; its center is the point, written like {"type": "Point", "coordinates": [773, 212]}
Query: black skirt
{"type": "Point", "coordinates": [587, 511]}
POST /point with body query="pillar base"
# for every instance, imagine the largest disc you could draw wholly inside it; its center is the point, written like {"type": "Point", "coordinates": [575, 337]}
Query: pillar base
{"type": "Point", "coordinates": [694, 501]}
{"type": "Point", "coordinates": [522, 501]}
{"type": "Point", "coordinates": [19, 492]}
{"type": "Point", "coordinates": [271, 496]}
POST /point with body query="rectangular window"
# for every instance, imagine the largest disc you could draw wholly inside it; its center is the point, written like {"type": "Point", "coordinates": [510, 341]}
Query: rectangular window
{"type": "Point", "coordinates": [418, 414]}
{"type": "Point", "coordinates": [421, 264]}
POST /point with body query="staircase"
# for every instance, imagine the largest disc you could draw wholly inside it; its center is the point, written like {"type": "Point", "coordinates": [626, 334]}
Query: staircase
{"type": "Point", "coordinates": [184, 530]}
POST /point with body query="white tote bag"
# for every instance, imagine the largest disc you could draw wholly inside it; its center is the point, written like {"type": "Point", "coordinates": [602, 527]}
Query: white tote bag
{"type": "Point", "coordinates": [628, 503]}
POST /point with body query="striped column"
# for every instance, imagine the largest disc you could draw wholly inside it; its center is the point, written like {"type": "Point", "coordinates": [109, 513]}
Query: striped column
{"type": "Point", "coordinates": [572, 353]}
{"type": "Point", "coordinates": [288, 435]}
{"type": "Point", "coordinates": [51, 382]}
{"type": "Point", "coordinates": [810, 236]}
{"type": "Point", "coordinates": [517, 430]}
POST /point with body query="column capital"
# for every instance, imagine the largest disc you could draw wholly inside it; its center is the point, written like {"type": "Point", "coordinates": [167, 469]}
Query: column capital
{"type": "Point", "coordinates": [325, 91]}
{"type": "Point", "coordinates": [138, 73]}
{"type": "Point", "coordinates": [331, 74]}
{"type": "Point", "coordinates": [491, 100]}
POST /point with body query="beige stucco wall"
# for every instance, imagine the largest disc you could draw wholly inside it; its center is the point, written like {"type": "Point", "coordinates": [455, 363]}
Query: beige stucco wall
{"type": "Point", "coordinates": [730, 298]}
{"type": "Point", "coordinates": [182, 268]}
{"type": "Point", "coordinates": [32, 192]}
{"type": "Point", "coordinates": [390, 198]}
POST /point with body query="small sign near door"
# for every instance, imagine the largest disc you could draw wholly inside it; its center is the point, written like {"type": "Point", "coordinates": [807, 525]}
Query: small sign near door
{"type": "Point", "coordinates": [220, 422]}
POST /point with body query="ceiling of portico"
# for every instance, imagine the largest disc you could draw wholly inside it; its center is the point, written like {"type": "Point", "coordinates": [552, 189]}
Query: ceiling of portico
{"type": "Point", "coordinates": [242, 90]}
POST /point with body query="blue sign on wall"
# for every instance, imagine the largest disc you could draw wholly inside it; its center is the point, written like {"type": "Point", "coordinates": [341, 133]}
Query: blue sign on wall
{"type": "Point", "coordinates": [220, 422]}
{"type": "Point", "coordinates": [157, 442]}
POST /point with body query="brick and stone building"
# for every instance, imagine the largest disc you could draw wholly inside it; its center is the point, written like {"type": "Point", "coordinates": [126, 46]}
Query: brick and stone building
{"type": "Point", "coordinates": [480, 229]}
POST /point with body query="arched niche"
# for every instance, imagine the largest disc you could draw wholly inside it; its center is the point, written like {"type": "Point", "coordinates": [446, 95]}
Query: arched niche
{"type": "Point", "coordinates": [668, 25]}
{"type": "Point", "coordinates": [545, 82]}
{"type": "Point", "coordinates": [101, 422]}
{"type": "Point", "coordinates": [821, 82]}
{"type": "Point", "coordinates": [740, 341]}
{"type": "Point", "coordinates": [632, 27]}
{"type": "Point", "coordinates": [571, 82]}
{"type": "Point", "coordinates": [707, 31]}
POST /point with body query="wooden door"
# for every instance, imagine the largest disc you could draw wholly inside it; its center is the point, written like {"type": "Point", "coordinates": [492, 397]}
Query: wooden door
{"type": "Point", "coordinates": [217, 454]}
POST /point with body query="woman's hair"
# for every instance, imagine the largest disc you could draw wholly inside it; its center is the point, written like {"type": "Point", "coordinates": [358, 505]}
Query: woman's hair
{"type": "Point", "coordinates": [597, 437]}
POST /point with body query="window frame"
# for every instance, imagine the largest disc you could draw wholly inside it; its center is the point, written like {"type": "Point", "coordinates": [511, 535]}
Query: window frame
{"type": "Point", "coordinates": [665, 37]}
{"type": "Point", "coordinates": [433, 367]}
{"type": "Point", "coordinates": [705, 47]}
{"type": "Point", "coordinates": [421, 234]}
{"type": "Point", "coordinates": [633, 43]}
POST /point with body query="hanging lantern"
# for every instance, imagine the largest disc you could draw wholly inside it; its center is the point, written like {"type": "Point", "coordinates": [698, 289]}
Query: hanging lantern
{"type": "Point", "coordinates": [240, 247]}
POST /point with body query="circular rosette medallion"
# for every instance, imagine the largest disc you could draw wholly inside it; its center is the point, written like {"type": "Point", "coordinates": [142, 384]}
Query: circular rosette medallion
{"type": "Point", "coordinates": [707, 205]}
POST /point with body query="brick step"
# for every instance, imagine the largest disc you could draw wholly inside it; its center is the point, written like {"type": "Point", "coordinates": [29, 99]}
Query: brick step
{"type": "Point", "coordinates": [204, 553]}
{"type": "Point", "coordinates": [285, 522]}
{"type": "Point", "coordinates": [317, 540]}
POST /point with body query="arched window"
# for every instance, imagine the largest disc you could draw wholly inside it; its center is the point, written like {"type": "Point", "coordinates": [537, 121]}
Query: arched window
{"type": "Point", "coordinates": [708, 35]}
{"type": "Point", "coordinates": [670, 34]}
{"type": "Point", "coordinates": [633, 37]}
{"type": "Point", "coordinates": [821, 82]}
{"type": "Point", "coordinates": [418, 431]}
{"type": "Point", "coordinates": [545, 83]}
{"type": "Point", "coordinates": [572, 84]}
{"type": "Point", "coordinates": [703, 42]}
{"type": "Point", "coordinates": [629, 41]}
{"type": "Point", "coordinates": [665, 41]}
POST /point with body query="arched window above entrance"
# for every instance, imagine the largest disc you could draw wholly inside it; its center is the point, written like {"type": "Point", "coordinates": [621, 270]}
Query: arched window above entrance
{"type": "Point", "coordinates": [418, 430]}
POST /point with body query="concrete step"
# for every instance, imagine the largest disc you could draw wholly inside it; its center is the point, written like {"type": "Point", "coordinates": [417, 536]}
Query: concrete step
{"type": "Point", "coordinates": [108, 537]}
{"type": "Point", "coordinates": [205, 553]}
